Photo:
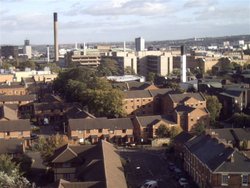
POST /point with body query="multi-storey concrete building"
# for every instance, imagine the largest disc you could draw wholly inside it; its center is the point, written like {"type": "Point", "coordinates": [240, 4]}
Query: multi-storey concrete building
{"type": "Point", "coordinates": [9, 51]}
{"type": "Point", "coordinates": [139, 44]}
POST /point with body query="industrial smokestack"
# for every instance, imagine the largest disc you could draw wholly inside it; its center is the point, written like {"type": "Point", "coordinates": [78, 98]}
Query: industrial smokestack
{"type": "Point", "coordinates": [48, 53]}
{"type": "Point", "coordinates": [183, 64]}
{"type": "Point", "coordinates": [55, 37]}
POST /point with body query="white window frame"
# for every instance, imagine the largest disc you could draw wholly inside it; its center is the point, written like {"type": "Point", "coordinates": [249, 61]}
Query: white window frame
{"type": "Point", "coordinates": [247, 182]}
{"type": "Point", "coordinates": [222, 182]}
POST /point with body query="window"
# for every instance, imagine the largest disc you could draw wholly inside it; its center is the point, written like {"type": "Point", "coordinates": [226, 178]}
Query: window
{"type": "Point", "coordinates": [87, 131]}
{"type": "Point", "coordinates": [20, 133]}
{"type": "Point", "coordinates": [111, 131]}
{"type": "Point", "coordinates": [192, 119]}
{"type": "Point", "coordinates": [244, 180]}
{"type": "Point", "coordinates": [99, 130]}
{"type": "Point", "coordinates": [7, 133]}
{"type": "Point", "coordinates": [138, 106]}
{"type": "Point", "coordinates": [137, 100]}
{"type": "Point", "coordinates": [126, 107]}
{"type": "Point", "coordinates": [66, 165]}
{"type": "Point", "coordinates": [79, 131]}
{"type": "Point", "coordinates": [124, 130]}
{"type": "Point", "coordinates": [224, 180]}
{"type": "Point", "coordinates": [66, 176]}
{"type": "Point", "coordinates": [132, 100]}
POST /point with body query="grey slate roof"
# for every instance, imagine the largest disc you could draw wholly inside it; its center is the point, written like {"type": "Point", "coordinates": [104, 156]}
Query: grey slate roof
{"type": "Point", "coordinates": [156, 92]}
{"type": "Point", "coordinates": [6, 98]}
{"type": "Point", "coordinates": [145, 93]}
{"type": "Point", "coordinates": [150, 120]}
{"type": "Point", "coordinates": [178, 98]}
{"type": "Point", "coordinates": [182, 138]}
{"type": "Point", "coordinates": [184, 109]}
{"type": "Point", "coordinates": [14, 125]}
{"type": "Point", "coordinates": [217, 156]}
{"type": "Point", "coordinates": [100, 123]}
{"type": "Point", "coordinates": [137, 94]}
{"type": "Point", "coordinates": [11, 146]}
{"type": "Point", "coordinates": [231, 133]}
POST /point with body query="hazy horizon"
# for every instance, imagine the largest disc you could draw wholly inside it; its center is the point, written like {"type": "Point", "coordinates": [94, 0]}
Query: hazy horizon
{"type": "Point", "coordinates": [110, 21]}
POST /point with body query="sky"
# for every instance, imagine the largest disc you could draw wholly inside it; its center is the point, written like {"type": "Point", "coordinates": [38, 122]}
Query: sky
{"type": "Point", "coordinates": [120, 20]}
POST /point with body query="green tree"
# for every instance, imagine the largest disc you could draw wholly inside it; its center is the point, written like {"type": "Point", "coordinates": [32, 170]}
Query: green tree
{"type": "Point", "coordinates": [10, 174]}
{"type": "Point", "coordinates": [83, 85]}
{"type": "Point", "coordinates": [129, 71]}
{"type": "Point", "coordinates": [241, 120]}
{"type": "Point", "coordinates": [214, 108]}
{"type": "Point", "coordinates": [200, 128]}
{"type": "Point", "coordinates": [151, 76]}
{"type": "Point", "coordinates": [46, 146]}
{"type": "Point", "coordinates": [106, 102]}
{"type": "Point", "coordinates": [162, 131]}
{"type": "Point", "coordinates": [108, 67]}
{"type": "Point", "coordinates": [225, 64]}
{"type": "Point", "coordinates": [27, 64]}
{"type": "Point", "coordinates": [53, 67]}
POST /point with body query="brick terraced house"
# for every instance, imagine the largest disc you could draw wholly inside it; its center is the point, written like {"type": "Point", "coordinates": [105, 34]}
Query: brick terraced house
{"type": "Point", "coordinates": [212, 164]}
{"type": "Point", "coordinates": [97, 166]}
{"type": "Point", "coordinates": [118, 130]}
{"type": "Point", "coordinates": [18, 129]}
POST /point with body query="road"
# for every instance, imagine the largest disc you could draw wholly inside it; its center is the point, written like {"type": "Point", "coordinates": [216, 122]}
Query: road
{"type": "Point", "coordinates": [144, 165]}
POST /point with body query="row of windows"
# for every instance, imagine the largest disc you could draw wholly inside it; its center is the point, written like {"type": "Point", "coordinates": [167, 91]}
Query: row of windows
{"type": "Point", "coordinates": [225, 179]}
{"type": "Point", "coordinates": [20, 133]}
{"type": "Point", "coordinates": [138, 100]}
{"type": "Point", "coordinates": [101, 130]}
{"type": "Point", "coordinates": [138, 106]}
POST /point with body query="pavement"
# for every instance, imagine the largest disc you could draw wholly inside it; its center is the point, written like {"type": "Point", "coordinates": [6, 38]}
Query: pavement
{"type": "Point", "coordinates": [144, 165]}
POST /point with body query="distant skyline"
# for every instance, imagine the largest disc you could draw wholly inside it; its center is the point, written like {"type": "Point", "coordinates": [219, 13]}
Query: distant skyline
{"type": "Point", "coordinates": [120, 20]}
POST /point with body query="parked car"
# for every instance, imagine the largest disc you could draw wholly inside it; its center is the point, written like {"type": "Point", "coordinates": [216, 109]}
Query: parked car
{"type": "Point", "coordinates": [183, 182]}
{"type": "Point", "coordinates": [33, 136]}
{"type": "Point", "coordinates": [171, 166]}
{"type": "Point", "coordinates": [150, 184]}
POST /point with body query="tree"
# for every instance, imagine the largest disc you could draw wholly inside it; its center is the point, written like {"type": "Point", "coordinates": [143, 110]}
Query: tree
{"type": "Point", "coordinates": [108, 67]}
{"type": "Point", "coordinates": [129, 71]}
{"type": "Point", "coordinates": [241, 120]}
{"type": "Point", "coordinates": [214, 108]}
{"type": "Point", "coordinates": [151, 76]}
{"type": "Point", "coordinates": [10, 174]}
{"type": "Point", "coordinates": [27, 64]}
{"type": "Point", "coordinates": [84, 86]}
{"type": "Point", "coordinates": [106, 102]}
{"type": "Point", "coordinates": [225, 64]}
{"type": "Point", "coordinates": [200, 128]}
{"type": "Point", "coordinates": [162, 131]}
{"type": "Point", "coordinates": [47, 145]}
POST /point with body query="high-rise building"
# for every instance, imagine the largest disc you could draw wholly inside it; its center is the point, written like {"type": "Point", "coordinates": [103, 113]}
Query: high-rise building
{"type": "Point", "coordinates": [9, 52]}
{"type": "Point", "coordinates": [139, 44]}
{"type": "Point", "coordinates": [27, 50]}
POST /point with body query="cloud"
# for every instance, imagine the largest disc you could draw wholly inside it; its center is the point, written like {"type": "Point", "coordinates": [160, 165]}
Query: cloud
{"type": "Point", "coordinates": [199, 3]}
{"type": "Point", "coordinates": [239, 14]}
{"type": "Point", "coordinates": [124, 7]}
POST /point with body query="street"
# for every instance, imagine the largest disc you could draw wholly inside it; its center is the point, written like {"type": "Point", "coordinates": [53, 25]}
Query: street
{"type": "Point", "coordinates": [144, 165]}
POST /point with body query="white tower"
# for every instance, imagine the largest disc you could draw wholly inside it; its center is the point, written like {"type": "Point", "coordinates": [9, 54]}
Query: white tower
{"type": "Point", "coordinates": [48, 54]}
{"type": "Point", "coordinates": [183, 64]}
